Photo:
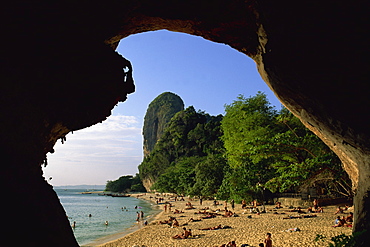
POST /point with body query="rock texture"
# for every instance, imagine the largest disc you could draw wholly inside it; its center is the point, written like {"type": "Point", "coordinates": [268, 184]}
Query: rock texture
{"type": "Point", "coordinates": [59, 74]}
{"type": "Point", "coordinates": [159, 113]}
{"type": "Point", "coordinates": [148, 183]}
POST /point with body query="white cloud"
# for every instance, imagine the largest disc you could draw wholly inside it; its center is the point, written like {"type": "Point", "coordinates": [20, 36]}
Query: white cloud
{"type": "Point", "coordinates": [101, 152]}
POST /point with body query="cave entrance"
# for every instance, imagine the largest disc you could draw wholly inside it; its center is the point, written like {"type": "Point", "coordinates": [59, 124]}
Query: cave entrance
{"type": "Point", "coordinates": [205, 74]}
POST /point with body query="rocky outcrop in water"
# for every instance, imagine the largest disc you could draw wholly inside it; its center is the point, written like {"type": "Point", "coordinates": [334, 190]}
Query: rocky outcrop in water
{"type": "Point", "coordinates": [159, 113]}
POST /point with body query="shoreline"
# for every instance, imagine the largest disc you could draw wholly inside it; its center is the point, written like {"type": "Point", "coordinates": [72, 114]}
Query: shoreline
{"type": "Point", "coordinates": [137, 226]}
{"type": "Point", "coordinates": [248, 228]}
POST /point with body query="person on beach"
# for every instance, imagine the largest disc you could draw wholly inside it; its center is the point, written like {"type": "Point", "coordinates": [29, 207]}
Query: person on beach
{"type": "Point", "coordinates": [165, 207]}
{"type": "Point", "coordinates": [213, 228]}
{"type": "Point", "coordinates": [339, 210]}
{"type": "Point", "coordinates": [184, 235]}
{"type": "Point", "coordinates": [194, 220]}
{"type": "Point", "coordinates": [346, 207]}
{"type": "Point", "coordinates": [312, 210]}
{"type": "Point", "coordinates": [339, 222]}
{"type": "Point", "coordinates": [349, 218]}
{"type": "Point", "coordinates": [232, 202]}
{"type": "Point", "coordinates": [244, 204]}
{"type": "Point", "coordinates": [138, 216]}
{"type": "Point", "coordinates": [268, 240]}
{"type": "Point", "coordinates": [208, 216]}
{"type": "Point", "coordinates": [178, 212]}
{"type": "Point", "coordinates": [278, 205]}
{"type": "Point", "coordinates": [169, 221]}
{"type": "Point", "coordinates": [293, 217]}
{"type": "Point", "coordinates": [254, 203]}
{"type": "Point", "coordinates": [231, 244]}
{"type": "Point", "coordinates": [298, 210]}
{"type": "Point", "coordinates": [228, 213]}
{"type": "Point", "coordinates": [315, 204]}
{"type": "Point", "coordinates": [175, 223]}
{"type": "Point", "coordinates": [189, 206]}
{"type": "Point", "coordinates": [201, 212]}
{"type": "Point", "coordinates": [142, 214]}
{"type": "Point", "coordinates": [316, 207]}
{"type": "Point", "coordinates": [201, 201]}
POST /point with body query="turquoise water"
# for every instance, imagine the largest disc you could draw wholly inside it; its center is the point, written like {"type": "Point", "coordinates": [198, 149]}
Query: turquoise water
{"type": "Point", "coordinates": [102, 208]}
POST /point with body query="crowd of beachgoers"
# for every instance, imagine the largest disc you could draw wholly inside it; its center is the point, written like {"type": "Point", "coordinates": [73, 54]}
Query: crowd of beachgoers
{"type": "Point", "coordinates": [186, 221]}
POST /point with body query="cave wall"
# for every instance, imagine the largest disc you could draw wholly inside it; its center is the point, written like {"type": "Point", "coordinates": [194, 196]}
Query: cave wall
{"type": "Point", "coordinates": [59, 73]}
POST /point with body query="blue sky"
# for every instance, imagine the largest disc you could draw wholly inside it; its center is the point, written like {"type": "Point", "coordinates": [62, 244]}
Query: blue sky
{"type": "Point", "coordinates": [204, 74]}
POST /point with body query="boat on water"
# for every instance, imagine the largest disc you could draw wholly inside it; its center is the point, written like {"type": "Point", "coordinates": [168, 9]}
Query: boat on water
{"type": "Point", "coordinates": [91, 192]}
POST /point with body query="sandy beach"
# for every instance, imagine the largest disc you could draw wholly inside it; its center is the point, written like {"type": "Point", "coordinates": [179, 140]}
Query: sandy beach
{"type": "Point", "coordinates": [248, 228]}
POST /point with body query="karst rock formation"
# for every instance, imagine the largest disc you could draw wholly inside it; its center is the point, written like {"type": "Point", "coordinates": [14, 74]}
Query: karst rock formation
{"type": "Point", "coordinates": [60, 73]}
{"type": "Point", "coordinates": [159, 113]}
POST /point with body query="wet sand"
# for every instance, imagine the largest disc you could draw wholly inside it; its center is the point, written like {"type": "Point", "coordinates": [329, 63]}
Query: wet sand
{"type": "Point", "coordinates": [248, 228]}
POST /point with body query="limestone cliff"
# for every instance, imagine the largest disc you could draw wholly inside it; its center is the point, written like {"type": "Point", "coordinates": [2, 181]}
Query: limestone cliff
{"type": "Point", "coordinates": [158, 114]}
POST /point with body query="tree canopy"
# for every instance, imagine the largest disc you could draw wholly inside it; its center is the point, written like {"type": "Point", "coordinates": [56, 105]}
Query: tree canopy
{"type": "Point", "coordinates": [125, 184]}
{"type": "Point", "coordinates": [252, 148]}
{"type": "Point", "coordinates": [273, 147]}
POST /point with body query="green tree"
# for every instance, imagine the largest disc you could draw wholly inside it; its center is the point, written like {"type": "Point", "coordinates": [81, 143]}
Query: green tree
{"type": "Point", "coordinates": [180, 177]}
{"type": "Point", "coordinates": [120, 185]}
{"type": "Point", "coordinates": [125, 184]}
{"type": "Point", "coordinates": [245, 119]}
{"type": "Point", "coordinates": [136, 184]}
{"type": "Point", "coordinates": [271, 149]}
{"type": "Point", "coordinates": [208, 176]}
{"type": "Point", "coordinates": [294, 152]}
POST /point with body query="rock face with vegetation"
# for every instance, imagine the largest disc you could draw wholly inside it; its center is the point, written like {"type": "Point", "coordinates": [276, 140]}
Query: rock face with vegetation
{"type": "Point", "coordinates": [157, 116]}
{"type": "Point", "coordinates": [189, 134]}
{"type": "Point", "coordinates": [253, 148]}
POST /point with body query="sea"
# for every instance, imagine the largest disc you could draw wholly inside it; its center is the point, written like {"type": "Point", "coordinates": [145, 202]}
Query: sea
{"type": "Point", "coordinates": [119, 212]}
